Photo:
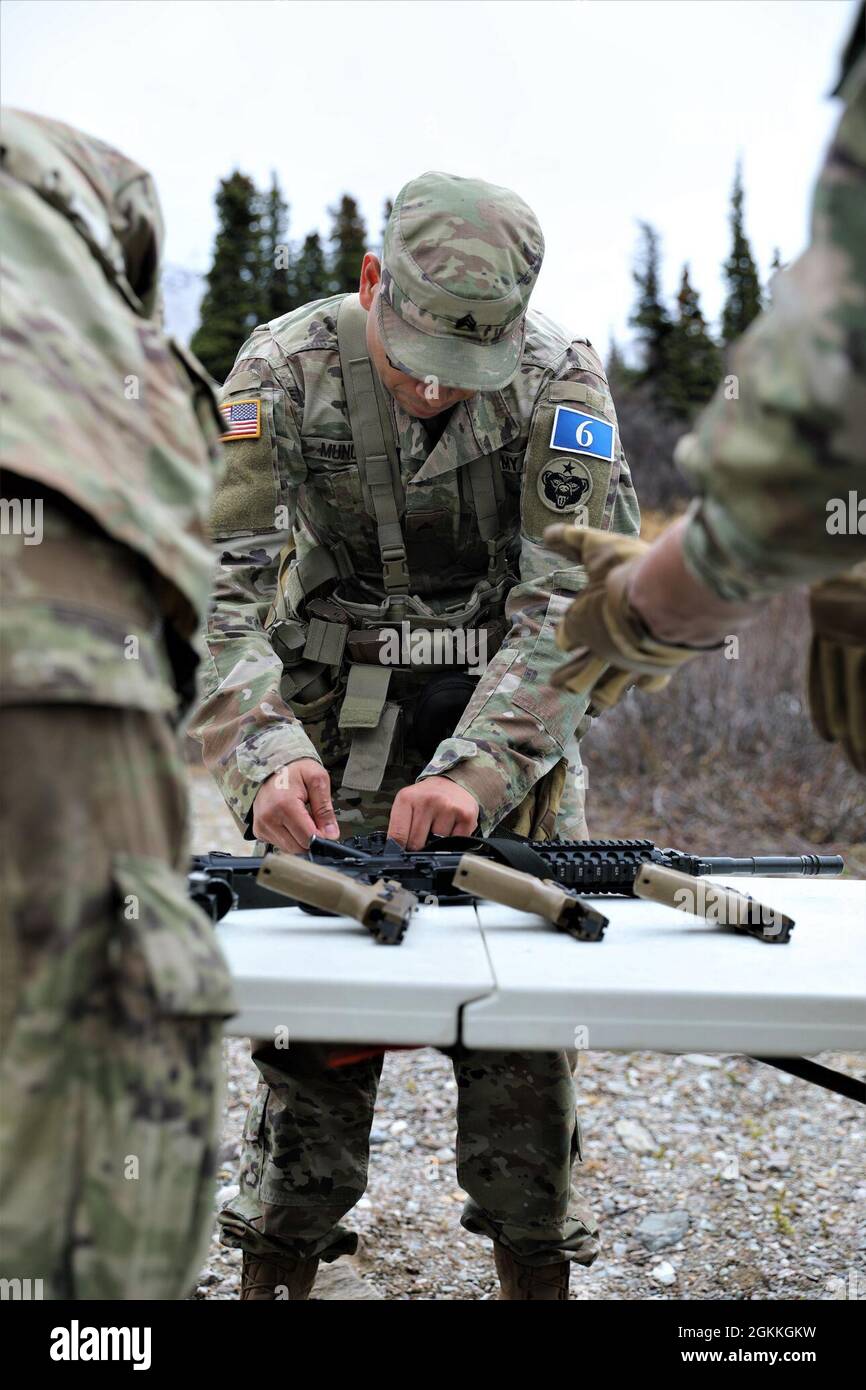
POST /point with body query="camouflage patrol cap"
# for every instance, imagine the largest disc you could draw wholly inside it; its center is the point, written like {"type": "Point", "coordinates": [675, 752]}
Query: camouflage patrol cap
{"type": "Point", "coordinates": [459, 263]}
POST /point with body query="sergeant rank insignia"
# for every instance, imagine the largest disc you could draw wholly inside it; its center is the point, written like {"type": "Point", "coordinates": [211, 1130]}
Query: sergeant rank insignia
{"type": "Point", "coordinates": [243, 420]}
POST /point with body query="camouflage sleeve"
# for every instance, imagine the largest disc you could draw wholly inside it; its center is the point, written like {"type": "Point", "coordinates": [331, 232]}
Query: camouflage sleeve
{"type": "Point", "coordinates": [517, 726]}
{"type": "Point", "coordinates": [246, 729]}
{"type": "Point", "coordinates": [779, 454]}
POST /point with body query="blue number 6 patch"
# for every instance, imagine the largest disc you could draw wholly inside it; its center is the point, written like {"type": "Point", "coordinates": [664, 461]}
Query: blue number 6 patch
{"type": "Point", "coordinates": [578, 433]}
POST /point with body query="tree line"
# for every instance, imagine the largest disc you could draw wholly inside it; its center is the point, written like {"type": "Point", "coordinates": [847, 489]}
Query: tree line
{"type": "Point", "coordinates": [680, 361]}
{"type": "Point", "coordinates": [677, 352]}
{"type": "Point", "coordinates": [257, 274]}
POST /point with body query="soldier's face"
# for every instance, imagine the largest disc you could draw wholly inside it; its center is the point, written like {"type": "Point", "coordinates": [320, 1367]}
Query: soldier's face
{"type": "Point", "coordinates": [422, 399]}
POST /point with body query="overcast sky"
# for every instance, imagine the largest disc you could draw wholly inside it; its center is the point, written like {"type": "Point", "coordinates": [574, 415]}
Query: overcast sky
{"type": "Point", "coordinates": [599, 112]}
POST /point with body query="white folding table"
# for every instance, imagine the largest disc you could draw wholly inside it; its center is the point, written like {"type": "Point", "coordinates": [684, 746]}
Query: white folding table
{"type": "Point", "coordinates": [491, 977]}
{"type": "Point", "coordinates": [326, 979]}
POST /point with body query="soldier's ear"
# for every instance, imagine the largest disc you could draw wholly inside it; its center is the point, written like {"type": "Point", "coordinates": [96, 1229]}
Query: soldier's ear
{"type": "Point", "coordinates": [371, 274]}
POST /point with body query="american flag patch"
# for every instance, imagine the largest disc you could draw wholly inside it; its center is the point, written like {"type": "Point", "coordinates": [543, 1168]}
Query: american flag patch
{"type": "Point", "coordinates": [243, 419]}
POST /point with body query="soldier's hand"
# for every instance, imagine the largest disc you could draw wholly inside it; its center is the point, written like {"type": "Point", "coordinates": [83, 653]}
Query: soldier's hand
{"type": "Point", "coordinates": [294, 804]}
{"type": "Point", "coordinates": [434, 806]}
{"type": "Point", "coordinates": [612, 649]}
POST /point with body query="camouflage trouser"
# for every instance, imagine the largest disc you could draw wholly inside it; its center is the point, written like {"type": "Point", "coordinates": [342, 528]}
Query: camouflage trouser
{"type": "Point", "coordinates": [306, 1141]}
{"type": "Point", "coordinates": [110, 1037]}
{"type": "Point", "coordinates": [306, 1150]}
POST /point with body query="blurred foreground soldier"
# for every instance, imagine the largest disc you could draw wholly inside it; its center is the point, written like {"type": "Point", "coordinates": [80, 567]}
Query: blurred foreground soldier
{"type": "Point", "coordinates": [390, 473]}
{"type": "Point", "coordinates": [781, 469]}
{"type": "Point", "coordinates": [113, 987]}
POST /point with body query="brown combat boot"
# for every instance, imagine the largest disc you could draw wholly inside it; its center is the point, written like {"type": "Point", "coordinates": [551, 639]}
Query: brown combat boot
{"type": "Point", "coordinates": [518, 1280]}
{"type": "Point", "coordinates": [262, 1276]}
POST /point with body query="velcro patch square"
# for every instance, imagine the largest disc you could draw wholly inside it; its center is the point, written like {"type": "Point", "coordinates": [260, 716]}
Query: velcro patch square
{"type": "Point", "coordinates": [243, 419]}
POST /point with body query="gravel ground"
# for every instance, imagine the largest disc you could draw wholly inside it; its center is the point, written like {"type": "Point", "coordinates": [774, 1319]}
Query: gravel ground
{"type": "Point", "coordinates": [711, 1177]}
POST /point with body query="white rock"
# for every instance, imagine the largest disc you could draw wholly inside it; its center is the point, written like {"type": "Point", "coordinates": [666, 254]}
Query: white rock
{"type": "Point", "coordinates": [635, 1137]}
{"type": "Point", "coordinates": [398, 1127]}
{"type": "Point", "coordinates": [664, 1273]}
{"type": "Point", "coordinates": [779, 1160]}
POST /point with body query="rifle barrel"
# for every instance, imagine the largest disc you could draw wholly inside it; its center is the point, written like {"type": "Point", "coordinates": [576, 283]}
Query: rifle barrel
{"type": "Point", "coordinates": [781, 865]}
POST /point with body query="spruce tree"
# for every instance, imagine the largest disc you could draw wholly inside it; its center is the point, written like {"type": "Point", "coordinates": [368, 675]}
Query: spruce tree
{"type": "Point", "coordinates": [693, 360]}
{"type": "Point", "coordinates": [650, 317]}
{"type": "Point", "coordinates": [276, 259]}
{"type": "Point", "coordinates": [232, 300]}
{"type": "Point", "coordinates": [620, 375]}
{"type": "Point", "coordinates": [310, 279]}
{"type": "Point", "coordinates": [743, 302]}
{"type": "Point", "coordinates": [348, 244]}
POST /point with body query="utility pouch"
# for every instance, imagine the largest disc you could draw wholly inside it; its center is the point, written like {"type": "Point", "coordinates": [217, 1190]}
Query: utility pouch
{"type": "Point", "coordinates": [366, 693]}
{"type": "Point", "coordinates": [308, 681]}
{"type": "Point", "coordinates": [287, 636]}
{"type": "Point", "coordinates": [371, 751]}
{"type": "Point", "coordinates": [326, 633]}
{"type": "Point", "coordinates": [373, 721]}
{"type": "Point", "coordinates": [365, 646]}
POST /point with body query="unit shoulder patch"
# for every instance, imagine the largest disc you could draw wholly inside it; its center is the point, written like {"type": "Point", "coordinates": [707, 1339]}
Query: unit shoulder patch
{"type": "Point", "coordinates": [571, 469]}
{"type": "Point", "coordinates": [564, 484]}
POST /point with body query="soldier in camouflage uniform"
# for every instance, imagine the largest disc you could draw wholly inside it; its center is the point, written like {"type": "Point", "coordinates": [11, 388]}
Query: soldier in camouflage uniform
{"type": "Point", "coordinates": [779, 459]}
{"type": "Point", "coordinates": [113, 987]}
{"type": "Point", "coordinates": [389, 463]}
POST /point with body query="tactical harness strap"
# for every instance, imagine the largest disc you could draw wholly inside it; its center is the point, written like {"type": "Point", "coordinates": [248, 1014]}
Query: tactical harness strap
{"type": "Point", "coordinates": [481, 481]}
{"type": "Point", "coordinates": [375, 447]}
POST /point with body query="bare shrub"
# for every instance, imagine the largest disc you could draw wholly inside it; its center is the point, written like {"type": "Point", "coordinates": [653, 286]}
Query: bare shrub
{"type": "Point", "coordinates": [648, 438]}
{"type": "Point", "coordinates": [729, 746]}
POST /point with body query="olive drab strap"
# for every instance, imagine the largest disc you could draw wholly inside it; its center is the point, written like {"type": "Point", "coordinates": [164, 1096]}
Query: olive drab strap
{"type": "Point", "coordinates": [375, 447]}
{"type": "Point", "coordinates": [482, 474]}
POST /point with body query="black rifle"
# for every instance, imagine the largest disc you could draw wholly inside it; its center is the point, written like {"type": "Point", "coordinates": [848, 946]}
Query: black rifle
{"type": "Point", "coordinates": [219, 882]}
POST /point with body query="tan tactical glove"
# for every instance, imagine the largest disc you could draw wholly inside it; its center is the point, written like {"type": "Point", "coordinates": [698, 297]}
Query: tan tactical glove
{"type": "Point", "coordinates": [612, 648]}
{"type": "Point", "coordinates": [837, 662]}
